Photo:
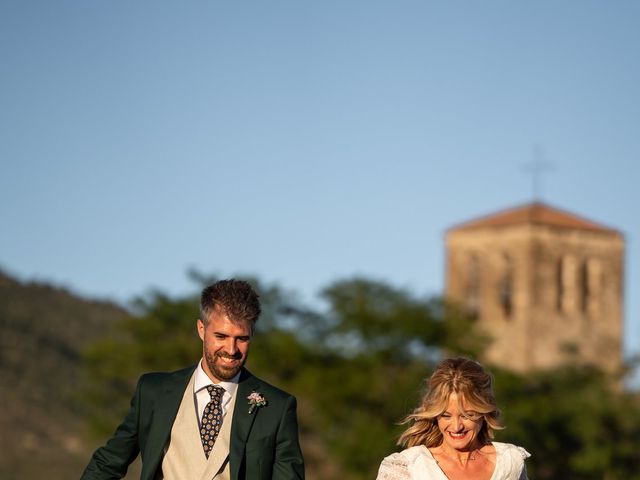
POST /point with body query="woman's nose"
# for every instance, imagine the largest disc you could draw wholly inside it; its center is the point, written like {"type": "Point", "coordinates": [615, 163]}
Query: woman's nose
{"type": "Point", "coordinates": [457, 424]}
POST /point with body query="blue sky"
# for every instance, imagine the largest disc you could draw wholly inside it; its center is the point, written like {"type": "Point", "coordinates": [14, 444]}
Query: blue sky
{"type": "Point", "coordinates": [304, 141]}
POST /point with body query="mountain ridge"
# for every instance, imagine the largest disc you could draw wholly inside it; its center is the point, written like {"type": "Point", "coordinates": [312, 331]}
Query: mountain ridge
{"type": "Point", "coordinates": [43, 332]}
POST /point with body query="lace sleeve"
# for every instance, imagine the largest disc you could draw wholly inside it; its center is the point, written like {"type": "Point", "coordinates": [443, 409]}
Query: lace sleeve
{"type": "Point", "coordinates": [393, 467]}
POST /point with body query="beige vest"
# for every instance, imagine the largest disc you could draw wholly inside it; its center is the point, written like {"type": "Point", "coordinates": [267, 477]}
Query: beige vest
{"type": "Point", "coordinates": [184, 458]}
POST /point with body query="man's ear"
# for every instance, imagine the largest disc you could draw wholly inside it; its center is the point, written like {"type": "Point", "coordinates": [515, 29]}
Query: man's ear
{"type": "Point", "coordinates": [201, 327]}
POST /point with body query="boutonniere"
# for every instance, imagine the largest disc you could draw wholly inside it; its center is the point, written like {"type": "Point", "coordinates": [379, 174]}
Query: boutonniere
{"type": "Point", "coordinates": [256, 400]}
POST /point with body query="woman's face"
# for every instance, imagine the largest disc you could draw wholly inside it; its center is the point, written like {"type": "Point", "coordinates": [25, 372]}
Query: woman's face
{"type": "Point", "coordinates": [460, 428]}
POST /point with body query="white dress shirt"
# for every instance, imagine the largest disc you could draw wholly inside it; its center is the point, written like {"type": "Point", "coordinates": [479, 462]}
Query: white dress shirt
{"type": "Point", "coordinates": [201, 395]}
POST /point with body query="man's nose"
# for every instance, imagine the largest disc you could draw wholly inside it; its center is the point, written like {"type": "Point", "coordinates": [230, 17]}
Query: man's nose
{"type": "Point", "coordinates": [231, 346]}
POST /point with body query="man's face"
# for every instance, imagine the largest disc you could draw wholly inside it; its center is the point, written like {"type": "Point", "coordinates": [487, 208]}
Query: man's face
{"type": "Point", "coordinates": [225, 346]}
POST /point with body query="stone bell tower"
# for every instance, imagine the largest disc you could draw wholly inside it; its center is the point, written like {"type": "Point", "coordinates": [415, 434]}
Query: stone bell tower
{"type": "Point", "coordinates": [545, 284]}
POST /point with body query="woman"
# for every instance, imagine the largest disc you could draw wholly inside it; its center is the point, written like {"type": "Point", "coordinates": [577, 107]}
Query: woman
{"type": "Point", "coordinates": [451, 431]}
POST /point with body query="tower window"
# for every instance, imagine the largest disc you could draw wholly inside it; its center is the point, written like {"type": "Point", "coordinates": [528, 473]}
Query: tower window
{"type": "Point", "coordinates": [566, 284]}
{"type": "Point", "coordinates": [505, 292]}
{"type": "Point", "coordinates": [559, 286]}
{"type": "Point", "coordinates": [585, 292]}
{"type": "Point", "coordinates": [472, 293]}
{"type": "Point", "coordinates": [592, 295]}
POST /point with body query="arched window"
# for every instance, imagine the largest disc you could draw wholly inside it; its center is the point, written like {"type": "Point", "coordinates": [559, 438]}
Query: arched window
{"type": "Point", "coordinates": [472, 290]}
{"type": "Point", "coordinates": [585, 292]}
{"type": "Point", "coordinates": [593, 287]}
{"type": "Point", "coordinates": [505, 292]}
{"type": "Point", "coordinates": [559, 285]}
{"type": "Point", "coordinates": [566, 284]}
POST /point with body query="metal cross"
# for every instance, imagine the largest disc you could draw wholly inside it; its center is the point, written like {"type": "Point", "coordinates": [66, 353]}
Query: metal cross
{"type": "Point", "coordinates": [536, 168]}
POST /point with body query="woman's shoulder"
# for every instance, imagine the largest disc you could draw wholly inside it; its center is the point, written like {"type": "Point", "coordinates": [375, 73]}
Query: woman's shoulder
{"type": "Point", "coordinates": [398, 466]}
{"type": "Point", "coordinates": [508, 449]}
{"type": "Point", "coordinates": [510, 461]}
{"type": "Point", "coordinates": [408, 455]}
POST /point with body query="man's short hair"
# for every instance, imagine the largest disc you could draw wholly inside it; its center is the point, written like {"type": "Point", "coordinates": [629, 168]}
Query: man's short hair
{"type": "Point", "coordinates": [234, 298]}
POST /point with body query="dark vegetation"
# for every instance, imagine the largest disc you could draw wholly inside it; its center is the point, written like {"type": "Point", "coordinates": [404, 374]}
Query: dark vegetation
{"type": "Point", "coordinates": [357, 366]}
{"type": "Point", "coordinates": [43, 331]}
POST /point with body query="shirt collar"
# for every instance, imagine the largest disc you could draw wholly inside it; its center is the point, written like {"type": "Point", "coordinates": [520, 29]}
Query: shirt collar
{"type": "Point", "coordinates": [202, 380]}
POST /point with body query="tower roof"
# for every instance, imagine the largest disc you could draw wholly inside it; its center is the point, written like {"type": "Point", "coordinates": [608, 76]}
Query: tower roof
{"type": "Point", "coordinates": [536, 213]}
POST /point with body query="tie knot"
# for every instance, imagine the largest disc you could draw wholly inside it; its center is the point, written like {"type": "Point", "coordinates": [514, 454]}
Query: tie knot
{"type": "Point", "coordinates": [215, 391]}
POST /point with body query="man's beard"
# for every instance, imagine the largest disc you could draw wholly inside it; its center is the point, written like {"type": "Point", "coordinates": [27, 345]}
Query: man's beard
{"type": "Point", "coordinates": [223, 372]}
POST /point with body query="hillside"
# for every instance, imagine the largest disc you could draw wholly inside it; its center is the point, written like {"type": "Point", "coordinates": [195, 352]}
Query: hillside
{"type": "Point", "coordinates": [42, 332]}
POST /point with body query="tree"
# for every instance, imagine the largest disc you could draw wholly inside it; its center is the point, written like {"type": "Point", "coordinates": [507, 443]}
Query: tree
{"type": "Point", "coordinates": [575, 422]}
{"type": "Point", "coordinates": [357, 368]}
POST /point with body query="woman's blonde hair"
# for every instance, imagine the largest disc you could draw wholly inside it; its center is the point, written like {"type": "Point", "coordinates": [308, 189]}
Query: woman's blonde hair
{"type": "Point", "coordinates": [472, 385]}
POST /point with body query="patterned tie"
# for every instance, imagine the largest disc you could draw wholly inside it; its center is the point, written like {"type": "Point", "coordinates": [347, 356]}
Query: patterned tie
{"type": "Point", "coordinates": [211, 418]}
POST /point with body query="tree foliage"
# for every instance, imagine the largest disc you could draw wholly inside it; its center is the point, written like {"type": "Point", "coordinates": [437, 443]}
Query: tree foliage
{"type": "Point", "coordinates": [576, 422]}
{"type": "Point", "coordinates": [357, 366]}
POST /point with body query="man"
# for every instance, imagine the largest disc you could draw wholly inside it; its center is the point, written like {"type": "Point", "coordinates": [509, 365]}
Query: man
{"type": "Point", "coordinates": [186, 427]}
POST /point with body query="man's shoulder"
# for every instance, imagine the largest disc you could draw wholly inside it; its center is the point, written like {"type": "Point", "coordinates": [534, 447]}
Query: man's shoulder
{"type": "Point", "coordinates": [162, 378]}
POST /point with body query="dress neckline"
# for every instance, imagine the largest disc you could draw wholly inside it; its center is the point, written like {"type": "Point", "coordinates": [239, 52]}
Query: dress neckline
{"type": "Point", "coordinates": [444, 475]}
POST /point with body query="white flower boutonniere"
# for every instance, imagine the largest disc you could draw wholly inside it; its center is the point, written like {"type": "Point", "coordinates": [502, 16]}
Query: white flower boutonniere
{"type": "Point", "coordinates": [256, 400]}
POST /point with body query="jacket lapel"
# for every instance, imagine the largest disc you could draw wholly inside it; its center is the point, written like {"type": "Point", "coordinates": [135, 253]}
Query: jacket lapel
{"type": "Point", "coordinates": [164, 414]}
{"type": "Point", "coordinates": [242, 420]}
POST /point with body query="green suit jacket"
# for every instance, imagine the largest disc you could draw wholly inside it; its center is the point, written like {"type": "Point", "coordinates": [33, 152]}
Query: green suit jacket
{"type": "Point", "coordinates": [264, 444]}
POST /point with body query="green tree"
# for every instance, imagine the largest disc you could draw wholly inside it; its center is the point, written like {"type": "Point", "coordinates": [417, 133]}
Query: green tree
{"type": "Point", "coordinates": [357, 366]}
{"type": "Point", "coordinates": [380, 342]}
{"type": "Point", "coordinates": [575, 421]}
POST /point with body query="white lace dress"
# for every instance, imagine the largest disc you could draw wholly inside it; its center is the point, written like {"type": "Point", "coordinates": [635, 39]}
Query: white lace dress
{"type": "Point", "coordinates": [417, 463]}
